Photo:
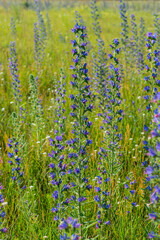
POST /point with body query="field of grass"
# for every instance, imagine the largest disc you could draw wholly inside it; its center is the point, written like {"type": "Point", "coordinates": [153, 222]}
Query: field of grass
{"type": "Point", "coordinates": [28, 211]}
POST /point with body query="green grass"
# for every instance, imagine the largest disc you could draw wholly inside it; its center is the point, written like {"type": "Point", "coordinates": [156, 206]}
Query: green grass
{"type": "Point", "coordinates": [36, 221]}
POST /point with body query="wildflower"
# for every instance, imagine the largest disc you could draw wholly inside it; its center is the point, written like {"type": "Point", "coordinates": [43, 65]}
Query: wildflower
{"type": "Point", "coordinates": [80, 103]}
{"type": "Point", "coordinates": [134, 204]}
{"type": "Point", "coordinates": [70, 223]}
{"type": "Point", "coordinates": [2, 212]}
{"type": "Point", "coordinates": [14, 73]}
{"type": "Point", "coordinates": [13, 27]}
{"type": "Point", "coordinates": [99, 58]}
{"type": "Point", "coordinates": [109, 152]}
{"type": "Point", "coordinates": [125, 29]}
{"type": "Point", "coordinates": [58, 167]}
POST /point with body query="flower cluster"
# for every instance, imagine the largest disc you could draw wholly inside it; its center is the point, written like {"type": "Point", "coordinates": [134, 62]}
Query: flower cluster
{"type": "Point", "coordinates": [151, 84]}
{"type": "Point", "coordinates": [99, 58]}
{"type": "Point", "coordinates": [95, 16]}
{"type": "Point", "coordinates": [157, 29]}
{"type": "Point", "coordinates": [58, 167]}
{"type": "Point", "coordinates": [37, 44]}
{"type": "Point", "coordinates": [81, 106]}
{"type": "Point", "coordinates": [134, 40]}
{"type": "Point", "coordinates": [13, 27]}
{"type": "Point", "coordinates": [151, 77]}
{"type": "Point", "coordinates": [141, 44]}
{"type": "Point", "coordinates": [2, 212]}
{"type": "Point", "coordinates": [125, 28]}
{"type": "Point", "coordinates": [35, 103]}
{"type": "Point", "coordinates": [111, 115]}
{"type": "Point", "coordinates": [14, 72]}
{"type": "Point", "coordinates": [16, 162]}
{"type": "Point", "coordinates": [153, 169]}
{"type": "Point", "coordinates": [130, 193]}
{"type": "Point", "coordinates": [60, 99]}
{"type": "Point", "coordinates": [41, 24]}
{"type": "Point", "coordinates": [49, 27]}
{"type": "Point", "coordinates": [40, 34]}
{"type": "Point", "coordinates": [70, 225]}
{"type": "Point", "coordinates": [152, 98]}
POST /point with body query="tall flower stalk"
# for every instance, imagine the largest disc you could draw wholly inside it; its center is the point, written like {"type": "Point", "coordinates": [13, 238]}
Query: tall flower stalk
{"type": "Point", "coordinates": [151, 76]}
{"type": "Point", "coordinates": [134, 42]}
{"type": "Point", "coordinates": [153, 171]}
{"type": "Point", "coordinates": [13, 65]}
{"type": "Point", "coordinates": [18, 109]}
{"type": "Point", "coordinates": [80, 108]}
{"type": "Point", "coordinates": [2, 211]}
{"type": "Point", "coordinates": [37, 45]}
{"type": "Point", "coordinates": [109, 165]}
{"type": "Point", "coordinates": [16, 143]}
{"type": "Point", "coordinates": [125, 30]}
{"type": "Point", "coordinates": [49, 26]}
{"type": "Point", "coordinates": [36, 118]}
{"type": "Point", "coordinates": [99, 57]}
{"type": "Point", "coordinates": [13, 27]}
{"type": "Point", "coordinates": [41, 24]}
{"type": "Point", "coordinates": [40, 35]}
{"type": "Point", "coordinates": [157, 29]}
{"type": "Point", "coordinates": [152, 148]}
{"type": "Point", "coordinates": [141, 44]}
{"type": "Point", "coordinates": [16, 162]}
{"type": "Point", "coordinates": [58, 166]}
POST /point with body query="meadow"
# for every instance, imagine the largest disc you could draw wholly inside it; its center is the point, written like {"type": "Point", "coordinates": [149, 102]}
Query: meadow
{"type": "Point", "coordinates": [79, 120]}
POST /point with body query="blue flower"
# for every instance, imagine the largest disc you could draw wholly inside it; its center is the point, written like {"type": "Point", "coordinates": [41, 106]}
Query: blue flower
{"type": "Point", "coordinates": [152, 216]}
{"type": "Point", "coordinates": [55, 194]}
{"type": "Point", "coordinates": [64, 237]}
{"type": "Point", "coordinates": [134, 204]}
{"type": "Point", "coordinates": [149, 170]}
{"type": "Point", "coordinates": [97, 199]}
{"type": "Point", "coordinates": [152, 152]}
{"type": "Point", "coordinates": [151, 235]}
{"type": "Point", "coordinates": [63, 225]}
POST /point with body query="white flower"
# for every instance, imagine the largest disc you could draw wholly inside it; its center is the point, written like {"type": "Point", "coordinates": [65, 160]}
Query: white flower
{"type": "Point", "coordinates": [4, 203]}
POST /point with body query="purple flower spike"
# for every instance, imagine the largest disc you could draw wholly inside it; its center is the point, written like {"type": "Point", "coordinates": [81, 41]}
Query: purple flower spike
{"type": "Point", "coordinates": [152, 152]}
{"type": "Point", "coordinates": [63, 225]}
{"type": "Point", "coordinates": [149, 170]}
{"type": "Point", "coordinates": [58, 138]}
{"type": "Point", "coordinates": [151, 235]}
